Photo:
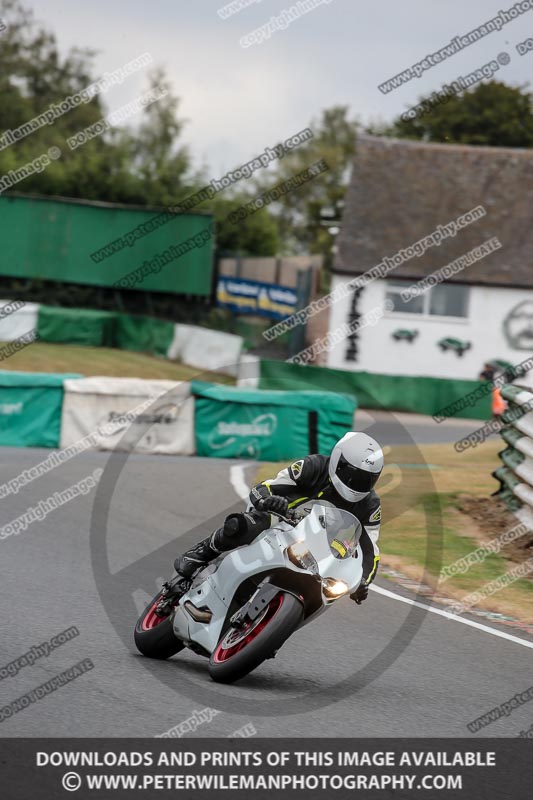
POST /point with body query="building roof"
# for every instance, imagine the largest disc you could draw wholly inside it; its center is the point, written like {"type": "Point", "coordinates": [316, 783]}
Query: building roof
{"type": "Point", "coordinates": [400, 191]}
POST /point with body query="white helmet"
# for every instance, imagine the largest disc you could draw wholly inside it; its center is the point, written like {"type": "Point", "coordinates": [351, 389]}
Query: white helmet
{"type": "Point", "coordinates": [355, 465]}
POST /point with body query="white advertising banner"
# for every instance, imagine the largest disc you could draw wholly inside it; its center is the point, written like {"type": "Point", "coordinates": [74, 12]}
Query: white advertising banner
{"type": "Point", "coordinates": [130, 414]}
{"type": "Point", "coordinates": [206, 349]}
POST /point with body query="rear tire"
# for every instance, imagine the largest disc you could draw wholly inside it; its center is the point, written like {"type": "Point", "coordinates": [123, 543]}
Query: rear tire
{"type": "Point", "coordinates": [241, 651]}
{"type": "Point", "coordinates": [154, 636]}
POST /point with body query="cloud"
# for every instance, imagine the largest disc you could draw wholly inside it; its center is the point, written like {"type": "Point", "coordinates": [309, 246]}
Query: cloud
{"type": "Point", "coordinates": [240, 100]}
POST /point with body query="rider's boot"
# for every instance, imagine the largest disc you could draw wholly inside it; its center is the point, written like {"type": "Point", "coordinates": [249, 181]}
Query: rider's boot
{"type": "Point", "coordinates": [205, 551]}
{"type": "Point", "coordinates": [197, 557]}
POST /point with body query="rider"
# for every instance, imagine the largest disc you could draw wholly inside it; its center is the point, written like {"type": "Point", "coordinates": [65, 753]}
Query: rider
{"type": "Point", "coordinates": [346, 479]}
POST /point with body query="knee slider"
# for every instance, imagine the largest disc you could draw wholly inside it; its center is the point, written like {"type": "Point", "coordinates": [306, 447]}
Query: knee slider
{"type": "Point", "coordinates": [227, 537]}
{"type": "Point", "coordinates": [234, 524]}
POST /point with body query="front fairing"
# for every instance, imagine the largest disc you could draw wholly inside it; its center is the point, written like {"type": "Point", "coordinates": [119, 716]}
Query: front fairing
{"type": "Point", "coordinates": [313, 530]}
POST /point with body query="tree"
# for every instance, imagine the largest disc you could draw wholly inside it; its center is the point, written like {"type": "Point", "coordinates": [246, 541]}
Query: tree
{"type": "Point", "coordinates": [32, 77]}
{"type": "Point", "coordinates": [299, 212]}
{"type": "Point", "coordinates": [121, 165]}
{"type": "Point", "coordinates": [163, 168]}
{"type": "Point", "coordinates": [492, 114]}
{"type": "Point", "coordinates": [257, 235]}
{"type": "Point", "coordinates": [141, 162]}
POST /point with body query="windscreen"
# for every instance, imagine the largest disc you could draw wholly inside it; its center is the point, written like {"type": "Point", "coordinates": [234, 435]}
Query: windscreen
{"type": "Point", "coordinates": [343, 531]}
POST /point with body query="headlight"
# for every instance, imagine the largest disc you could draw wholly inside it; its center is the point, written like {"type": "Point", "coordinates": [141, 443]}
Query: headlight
{"type": "Point", "coordinates": [333, 588]}
{"type": "Point", "coordinates": [300, 556]}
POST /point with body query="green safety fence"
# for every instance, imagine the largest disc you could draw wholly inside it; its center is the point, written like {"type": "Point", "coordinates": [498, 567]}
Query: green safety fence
{"type": "Point", "coordinates": [104, 329]}
{"type": "Point", "coordinates": [419, 395]}
{"type": "Point", "coordinates": [30, 408]}
{"type": "Point", "coordinates": [268, 425]}
{"type": "Point", "coordinates": [76, 326]}
{"type": "Point", "coordinates": [143, 334]}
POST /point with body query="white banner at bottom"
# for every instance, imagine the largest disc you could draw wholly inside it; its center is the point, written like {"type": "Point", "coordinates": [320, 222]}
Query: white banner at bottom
{"type": "Point", "coordinates": [106, 408]}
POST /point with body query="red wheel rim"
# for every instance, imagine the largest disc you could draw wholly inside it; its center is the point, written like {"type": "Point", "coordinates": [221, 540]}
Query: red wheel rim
{"type": "Point", "coordinates": [248, 634]}
{"type": "Point", "coordinates": [151, 620]}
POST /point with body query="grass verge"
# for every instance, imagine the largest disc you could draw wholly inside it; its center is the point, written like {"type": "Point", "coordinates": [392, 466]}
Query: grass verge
{"type": "Point", "coordinates": [48, 357]}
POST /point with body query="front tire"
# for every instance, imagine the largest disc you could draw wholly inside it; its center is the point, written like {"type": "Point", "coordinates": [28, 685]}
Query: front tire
{"type": "Point", "coordinates": [240, 651]}
{"type": "Point", "coordinates": [154, 636]}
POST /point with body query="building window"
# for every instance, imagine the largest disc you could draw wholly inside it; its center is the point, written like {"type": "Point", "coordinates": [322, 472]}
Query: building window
{"type": "Point", "coordinates": [414, 306]}
{"type": "Point", "coordinates": [444, 300]}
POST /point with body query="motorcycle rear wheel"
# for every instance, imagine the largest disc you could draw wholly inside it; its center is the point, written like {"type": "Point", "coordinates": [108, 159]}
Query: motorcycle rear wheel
{"type": "Point", "coordinates": [240, 651]}
{"type": "Point", "coordinates": [154, 636]}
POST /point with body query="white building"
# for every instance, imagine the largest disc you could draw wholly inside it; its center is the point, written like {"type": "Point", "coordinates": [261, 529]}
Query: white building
{"type": "Point", "coordinates": [408, 209]}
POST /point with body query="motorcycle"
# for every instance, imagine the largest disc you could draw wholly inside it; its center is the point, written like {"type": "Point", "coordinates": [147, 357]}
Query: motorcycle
{"type": "Point", "coordinates": [242, 607]}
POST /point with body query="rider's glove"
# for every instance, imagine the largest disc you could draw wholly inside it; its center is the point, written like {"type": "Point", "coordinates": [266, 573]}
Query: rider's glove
{"type": "Point", "coordinates": [361, 593]}
{"type": "Point", "coordinates": [276, 504]}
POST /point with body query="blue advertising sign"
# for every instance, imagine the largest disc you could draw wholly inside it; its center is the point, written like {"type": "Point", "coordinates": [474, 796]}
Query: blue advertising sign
{"type": "Point", "coordinates": [252, 297]}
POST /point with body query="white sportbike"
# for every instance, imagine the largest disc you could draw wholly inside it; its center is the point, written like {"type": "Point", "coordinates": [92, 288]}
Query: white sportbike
{"type": "Point", "coordinates": [245, 604]}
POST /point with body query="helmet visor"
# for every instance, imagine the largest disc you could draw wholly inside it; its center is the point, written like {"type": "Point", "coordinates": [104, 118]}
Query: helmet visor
{"type": "Point", "coordinates": [355, 478]}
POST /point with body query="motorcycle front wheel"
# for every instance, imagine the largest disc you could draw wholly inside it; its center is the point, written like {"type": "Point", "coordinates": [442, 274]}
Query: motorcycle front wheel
{"type": "Point", "coordinates": [154, 636]}
{"type": "Point", "coordinates": [241, 650]}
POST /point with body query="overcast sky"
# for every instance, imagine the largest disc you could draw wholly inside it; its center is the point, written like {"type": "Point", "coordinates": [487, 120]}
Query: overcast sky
{"type": "Point", "coordinates": [240, 100]}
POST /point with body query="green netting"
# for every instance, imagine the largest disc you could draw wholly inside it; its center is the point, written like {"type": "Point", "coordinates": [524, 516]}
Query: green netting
{"type": "Point", "coordinates": [392, 392]}
{"type": "Point", "coordinates": [75, 326]}
{"type": "Point", "coordinates": [30, 409]}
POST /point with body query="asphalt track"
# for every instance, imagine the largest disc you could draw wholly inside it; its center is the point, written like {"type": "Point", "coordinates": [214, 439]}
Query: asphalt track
{"type": "Point", "coordinates": [383, 669]}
